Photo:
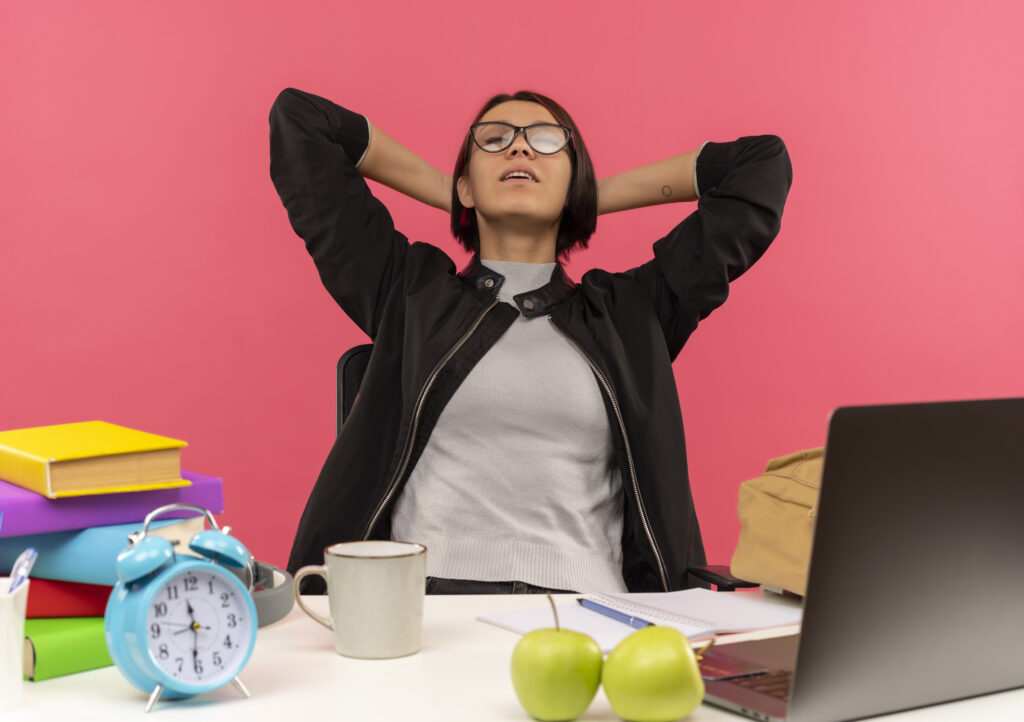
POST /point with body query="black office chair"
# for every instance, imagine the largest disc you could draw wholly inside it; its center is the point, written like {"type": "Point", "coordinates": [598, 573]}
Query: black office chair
{"type": "Point", "coordinates": [352, 366]}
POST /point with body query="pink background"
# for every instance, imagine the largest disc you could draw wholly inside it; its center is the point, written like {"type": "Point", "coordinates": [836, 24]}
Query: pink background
{"type": "Point", "coordinates": [149, 277]}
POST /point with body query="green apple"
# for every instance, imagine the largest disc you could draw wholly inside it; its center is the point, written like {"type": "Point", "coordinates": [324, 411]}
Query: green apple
{"type": "Point", "coordinates": [652, 676]}
{"type": "Point", "coordinates": [556, 673]}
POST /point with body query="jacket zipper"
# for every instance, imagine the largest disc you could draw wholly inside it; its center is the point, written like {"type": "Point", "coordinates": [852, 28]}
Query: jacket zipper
{"type": "Point", "coordinates": [393, 487]}
{"type": "Point", "coordinates": [629, 454]}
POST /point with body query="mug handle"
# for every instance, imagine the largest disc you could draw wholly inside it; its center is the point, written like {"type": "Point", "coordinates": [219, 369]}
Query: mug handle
{"type": "Point", "coordinates": [299, 575]}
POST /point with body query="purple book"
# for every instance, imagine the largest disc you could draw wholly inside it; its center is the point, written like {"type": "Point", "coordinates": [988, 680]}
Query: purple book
{"type": "Point", "coordinates": [26, 512]}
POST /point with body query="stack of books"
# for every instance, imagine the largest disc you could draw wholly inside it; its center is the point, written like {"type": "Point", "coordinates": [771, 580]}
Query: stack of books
{"type": "Point", "coordinates": [75, 492]}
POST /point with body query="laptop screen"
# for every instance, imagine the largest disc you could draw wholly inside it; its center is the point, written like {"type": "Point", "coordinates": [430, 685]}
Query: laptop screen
{"type": "Point", "coordinates": [918, 558]}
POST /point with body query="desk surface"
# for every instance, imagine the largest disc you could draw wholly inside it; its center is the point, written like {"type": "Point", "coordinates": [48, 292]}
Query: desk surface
{"type": "Point", "coordinates": [462, 673]}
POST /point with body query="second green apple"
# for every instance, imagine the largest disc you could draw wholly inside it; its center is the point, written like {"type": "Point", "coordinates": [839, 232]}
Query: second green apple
{"type": "Point", "coordinates": [652, 676]}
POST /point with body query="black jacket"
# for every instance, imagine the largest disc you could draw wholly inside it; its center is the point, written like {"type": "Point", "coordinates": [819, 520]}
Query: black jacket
{"type": "Point", "coordinates": [430, 325]}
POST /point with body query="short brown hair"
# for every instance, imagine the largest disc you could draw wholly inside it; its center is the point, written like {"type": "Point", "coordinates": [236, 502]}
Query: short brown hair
{"type": "Point", "coordinates": [579, 219]}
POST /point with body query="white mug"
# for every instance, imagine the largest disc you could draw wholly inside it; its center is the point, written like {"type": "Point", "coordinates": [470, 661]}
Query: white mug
{"type": "Point", "coordinates": [12, 640]}
{"type": "Point", "coordinates": [375, 591]}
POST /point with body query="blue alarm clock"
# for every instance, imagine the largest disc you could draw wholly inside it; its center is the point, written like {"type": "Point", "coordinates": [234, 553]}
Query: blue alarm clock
{"type": "Point", "coordinates": [178, 625]}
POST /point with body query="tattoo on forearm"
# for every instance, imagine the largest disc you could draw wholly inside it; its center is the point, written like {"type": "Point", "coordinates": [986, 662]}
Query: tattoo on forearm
{"type": "Point", "coordinates": [666, 191]}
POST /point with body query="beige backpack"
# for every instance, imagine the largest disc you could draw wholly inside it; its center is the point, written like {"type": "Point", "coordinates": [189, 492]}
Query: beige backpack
{"type": "Point", "coordinates": [777, 512]}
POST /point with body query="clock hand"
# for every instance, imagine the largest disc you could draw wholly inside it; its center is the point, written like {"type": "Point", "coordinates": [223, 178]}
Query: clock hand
{"type": "Point", "coordinates": [190, 628]}
{"type": "Point", "coordinates": [196, 626]}
{"type": "Point", "coordinates": [191, 614]}
{"type": "Point", "coordinates": [195, 632]}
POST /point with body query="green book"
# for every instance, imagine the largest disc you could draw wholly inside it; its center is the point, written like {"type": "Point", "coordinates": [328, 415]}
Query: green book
{"type": "Point", "coordinates": [64, 645]}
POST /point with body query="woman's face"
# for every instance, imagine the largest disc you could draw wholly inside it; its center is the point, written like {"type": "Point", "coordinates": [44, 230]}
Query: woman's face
{"type": "Point", "coordinates": [500, 200]}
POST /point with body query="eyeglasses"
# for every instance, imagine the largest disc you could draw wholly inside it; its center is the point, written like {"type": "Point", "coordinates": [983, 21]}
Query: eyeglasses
{"type": "Point", "coordinates": [544, 138]}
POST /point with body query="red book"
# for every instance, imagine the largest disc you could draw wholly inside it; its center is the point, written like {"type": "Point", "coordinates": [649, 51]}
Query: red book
{"type": "Point", "coordinates": [51, 598]}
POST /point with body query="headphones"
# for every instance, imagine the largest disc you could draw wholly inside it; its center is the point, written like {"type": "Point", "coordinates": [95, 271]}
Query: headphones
{"type": "Point", "coordinates": [271, 591]}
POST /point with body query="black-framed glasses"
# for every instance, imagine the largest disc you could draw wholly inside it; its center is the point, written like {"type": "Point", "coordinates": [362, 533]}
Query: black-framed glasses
{"type": "Point", "coordinates": [496, 136]}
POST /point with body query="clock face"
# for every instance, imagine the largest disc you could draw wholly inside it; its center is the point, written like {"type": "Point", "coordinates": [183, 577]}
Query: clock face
{"type": "Point", "coordinates": [198, 627]}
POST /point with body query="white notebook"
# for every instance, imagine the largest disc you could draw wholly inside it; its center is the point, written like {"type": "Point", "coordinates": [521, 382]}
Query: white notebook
{"type": "Point", "coordinates": [697, 613]}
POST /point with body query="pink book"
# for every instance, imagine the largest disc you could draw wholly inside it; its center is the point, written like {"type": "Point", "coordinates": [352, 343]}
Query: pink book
{"type": "Point", "coordinates": [26, 512]}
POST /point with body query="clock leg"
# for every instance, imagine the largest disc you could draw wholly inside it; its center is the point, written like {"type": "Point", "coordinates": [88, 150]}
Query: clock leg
{"type": "Point", "coordinates": [240, 687]}
{"type": "Point", "coordinates": [157, 691]}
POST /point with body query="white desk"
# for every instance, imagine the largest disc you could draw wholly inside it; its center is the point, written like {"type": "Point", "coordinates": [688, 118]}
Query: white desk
{"type": "Point", "coordinates": [462, 673]}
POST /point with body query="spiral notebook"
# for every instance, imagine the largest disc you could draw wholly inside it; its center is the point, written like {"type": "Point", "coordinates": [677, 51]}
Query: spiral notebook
{"type": "Point", "coordinates": [697, 613]}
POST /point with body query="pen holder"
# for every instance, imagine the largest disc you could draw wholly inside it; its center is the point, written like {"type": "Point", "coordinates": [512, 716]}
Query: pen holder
{"type": "Point", "coordinates": [12, 642]}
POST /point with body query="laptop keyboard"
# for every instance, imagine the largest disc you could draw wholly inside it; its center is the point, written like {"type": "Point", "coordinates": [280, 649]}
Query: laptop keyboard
{"type": "Point", "coordinates": [775, 683]}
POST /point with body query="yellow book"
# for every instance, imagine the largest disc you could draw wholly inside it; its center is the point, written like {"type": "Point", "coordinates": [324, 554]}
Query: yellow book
{"type": "Point", "coordinates": [89, 457]}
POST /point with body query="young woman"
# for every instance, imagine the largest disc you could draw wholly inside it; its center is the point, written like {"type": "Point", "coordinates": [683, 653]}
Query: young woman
{"type": "Point", "coordinates": [526, 429]}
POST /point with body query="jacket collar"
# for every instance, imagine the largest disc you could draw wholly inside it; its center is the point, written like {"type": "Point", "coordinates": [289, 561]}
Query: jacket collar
{"type": "Point", "coordinates": [537, 302]}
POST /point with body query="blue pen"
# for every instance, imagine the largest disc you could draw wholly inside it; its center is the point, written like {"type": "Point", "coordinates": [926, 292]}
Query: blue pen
{"type": "Point", "coordinates": [22, 566]}
{"type": "Point", "coordinates": [635, 622]}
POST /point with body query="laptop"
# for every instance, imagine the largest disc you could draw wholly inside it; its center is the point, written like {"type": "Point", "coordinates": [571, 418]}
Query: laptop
{"type": "Point", "coordinates": [917, 561]}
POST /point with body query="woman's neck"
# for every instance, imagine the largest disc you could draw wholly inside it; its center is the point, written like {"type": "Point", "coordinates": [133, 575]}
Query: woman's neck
{"type": "Point", "coordinates": [525, 245]}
